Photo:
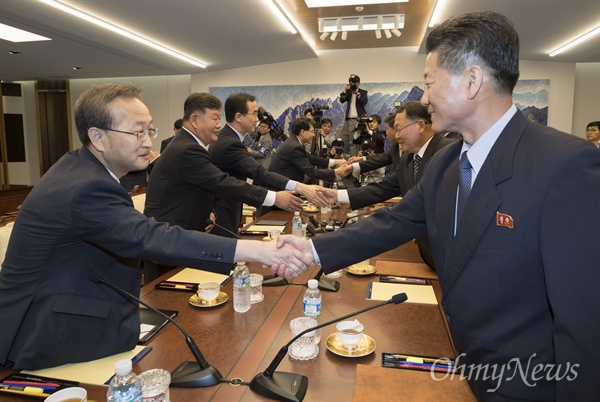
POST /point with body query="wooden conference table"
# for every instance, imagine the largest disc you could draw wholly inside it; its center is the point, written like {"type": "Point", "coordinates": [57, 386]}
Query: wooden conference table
{"type": "Point", "coordinates": [241, 345]}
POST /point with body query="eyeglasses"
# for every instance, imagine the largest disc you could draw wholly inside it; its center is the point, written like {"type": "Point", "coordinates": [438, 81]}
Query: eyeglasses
{"type": "Point", "coordinates": [398, 130]}
{"type": "Point", "coordinates": [141, 135]}
{"type": "Point", "coordinates": [592, 129]}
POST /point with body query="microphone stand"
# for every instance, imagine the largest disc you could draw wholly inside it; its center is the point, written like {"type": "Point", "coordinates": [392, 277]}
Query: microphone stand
{"type": "Point", "coordinates": [292, 387]}
{"type": "Point", "coordinates": [358, 215]}
{"type": "Point", "coordinates": [188, 374]}
{"type": "Point", "coordinates": [330, 285]}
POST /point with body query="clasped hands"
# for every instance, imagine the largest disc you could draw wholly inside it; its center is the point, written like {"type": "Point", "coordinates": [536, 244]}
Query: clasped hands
{"type": "Point", "coordinates": [289, 256]}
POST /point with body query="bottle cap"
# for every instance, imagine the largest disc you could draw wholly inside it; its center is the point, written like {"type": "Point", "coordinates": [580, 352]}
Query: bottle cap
{"type": "Point", "coordinates": [123, 367]}
{"type": "Point", "coordinates": [241, 263]}
{"type": "Point", "coordinates": [296, 213]}
{"type": "Point", "coordinates": [313, 283]}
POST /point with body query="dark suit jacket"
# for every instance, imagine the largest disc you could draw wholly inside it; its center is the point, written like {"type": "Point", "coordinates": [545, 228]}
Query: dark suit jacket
{"type": "Point", "coordinates": [165, 142]}
{"type": "Point", "coordinates": [291, 160]}
{"type": "Point", "coordinates": [380, 160]}
{"type": "Point", "coordinates": [79, 220]}
{"type": "Point", "coordinates": [183, 184]}
{"type": "Point", "coordinates": [230, 155]}
{"type": "Point", "coordinates": [346, 96]}
{"type": "Point", "coordinates": [529, 292]}
{"type": "Point", "coordinates": [398, 183]}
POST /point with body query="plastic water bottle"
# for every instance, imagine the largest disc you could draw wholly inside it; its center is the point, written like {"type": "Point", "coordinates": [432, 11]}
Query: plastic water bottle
{"type": "Point", "coordinates": [297, 225]}
{"type": "Point", "coordinates": [241, 288]}
{"type": "Point", "coordinates": [125, 385]}
{"type": "Point", "coordinates": [312, 304]}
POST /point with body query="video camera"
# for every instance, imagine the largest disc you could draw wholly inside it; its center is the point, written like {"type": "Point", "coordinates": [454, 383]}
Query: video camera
{"type": "Point", "coordinates": [317, 114]}
{"type": "Point", "coordinates": [276, 131]}
{"type": "Point", "coordinates": [363, 129]}
{"type": "Point", "coordinates": [354, 80]}
{"type": "Point", "coordinates": [337, 146]}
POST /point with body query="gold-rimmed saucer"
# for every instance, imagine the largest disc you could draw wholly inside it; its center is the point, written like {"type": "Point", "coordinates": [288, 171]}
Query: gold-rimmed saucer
{"type": "Point", "coordinates": [361, 269]}
{"type": "Point", "coordinates": [196, 301]}
{"type": "Point", "coordinates": [365, 347]}
{"type": "Point", "coordinates": [310, 208]}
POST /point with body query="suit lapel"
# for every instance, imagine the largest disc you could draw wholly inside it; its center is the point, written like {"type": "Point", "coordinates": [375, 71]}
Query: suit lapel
{"type": "Point", "coordinates": [482, 204]}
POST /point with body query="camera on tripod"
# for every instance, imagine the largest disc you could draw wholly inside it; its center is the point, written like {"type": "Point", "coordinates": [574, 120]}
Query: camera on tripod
{"type": "Point", "coordinates": [354, 80]}
{"type": "Point", "coordinates": [276, 131]}
{"type": "Point", "coordinates": [317, 114]}
{"type": "Point", "coordinates": [362, 129]}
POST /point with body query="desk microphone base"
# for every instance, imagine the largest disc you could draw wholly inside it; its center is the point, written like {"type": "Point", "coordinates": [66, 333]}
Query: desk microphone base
{"type": "Point", "coordinates": [281, 386]}
{"type": "Point", "coordinates": [189, 375]}
{"type": "Point", "coordinates": [329, 285]}
{"type": "Point", "coordinates": [274, 280]}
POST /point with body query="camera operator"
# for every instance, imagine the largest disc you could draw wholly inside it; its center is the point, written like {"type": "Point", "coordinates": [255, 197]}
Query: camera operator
{"type": "Point", "coordinates": [377, 135]}
{"type": "Point", "coordinates": [367, 148]}
{"type": "Point", "coordinates": [356, 100]}
{"type": "Point", "coordinates": [261, 148]}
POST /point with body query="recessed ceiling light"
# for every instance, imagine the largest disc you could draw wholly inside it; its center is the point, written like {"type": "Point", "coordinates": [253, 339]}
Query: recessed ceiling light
{"type": "Point", "coordinates": [14, 52]}
{"type": "Point", "coordinates": [77, 68]}
{"type": "Point", "coordinates": [13, 34]}
{"type": "Point", "coordinates": [337, 3]}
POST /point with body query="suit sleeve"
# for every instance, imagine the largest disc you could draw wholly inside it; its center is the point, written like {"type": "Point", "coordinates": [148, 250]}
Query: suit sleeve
{"type": "Point", "coordinates": [375, 162]}
{"type": "Point", "coordinates": [318, 161]}
{"type": "Point", "coordinates": [571, 257]}
{"type": "Point", "coordinates": [300, 160]}
{"type": "Point", "coordinates": [243, 164]}
{"type": "Point", "coordinates": [374, 192]}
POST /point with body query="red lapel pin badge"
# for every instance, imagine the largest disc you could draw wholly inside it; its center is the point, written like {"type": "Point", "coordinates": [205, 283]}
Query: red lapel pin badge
{"type": "Point", "coordinates": [504, 220]}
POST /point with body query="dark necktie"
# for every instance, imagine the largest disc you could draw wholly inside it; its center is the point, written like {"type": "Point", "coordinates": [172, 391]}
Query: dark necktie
{"type": "Point", "coordinates": [416, 164]}
{"type": "Point", "coordinates": [464, 184]}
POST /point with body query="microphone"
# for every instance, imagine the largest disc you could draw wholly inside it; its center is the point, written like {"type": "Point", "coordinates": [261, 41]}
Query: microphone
{"type": "Point", "coordinates": [292, 387]}
{"type": "Point", "coordinates": [313, 221]}
{"type": "Point", "coordinates": [211, 222]}
{"type": "Point", "coordinates": [188, 374]}
{"type": "Point", "coordinates": [330, 285]}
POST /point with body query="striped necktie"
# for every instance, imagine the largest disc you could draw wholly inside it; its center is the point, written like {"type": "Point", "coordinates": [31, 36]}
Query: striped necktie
{"type": "Point", "coordinates": [464, 184]}
{"type": "Point", "coordinates": [416, 164]}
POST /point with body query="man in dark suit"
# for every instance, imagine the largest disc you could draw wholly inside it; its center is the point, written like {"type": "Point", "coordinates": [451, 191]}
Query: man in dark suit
{"type": "Point", "coordinates": [230, 155]}
{"type": "Point", "coordinates": [517, 254]}
{"type": "Point", "coordinates": [418, 141]}
{"type": "Point", "coordinates": [184, 181]}
{"type": "Point", "coordinates": [176, 127]}
{"type": "Point", "coordinates": [355, 100]}
{"type": "Point", "coordinates": [78, 223]}
{"type": "Point", "coordinates": [293, 162]}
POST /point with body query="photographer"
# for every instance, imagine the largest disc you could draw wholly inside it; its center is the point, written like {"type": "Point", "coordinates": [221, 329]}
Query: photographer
{"type": "Point", "coordinates": [367, 148]}
{"type": "Point", "coordinates": [356, 100]}
{"type": "Point", "coordinates": [261, 148]}
{"type": "Point", "coordinates": [377, 135]}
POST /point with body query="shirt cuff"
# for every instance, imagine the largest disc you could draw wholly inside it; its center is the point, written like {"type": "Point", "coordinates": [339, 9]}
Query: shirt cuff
{"type": "Point", "coordinates": [331, 163]}
{"type": "Point", "coordinates": [315, 255]}
{"type": "Point", "coordinates": [355, 167]}
{"type": "Point", "coordinates": [270, 198]}
{"type": "Point", "coordinates": [291, 185]}
{"type": "Point", "coordinates": [343, 196]}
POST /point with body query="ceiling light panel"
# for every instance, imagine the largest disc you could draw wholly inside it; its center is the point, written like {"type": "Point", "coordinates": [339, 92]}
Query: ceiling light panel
{"type": "Point", "coordinates": [338, 3]}
{"type": "Point", "coordinates": [15, 35]}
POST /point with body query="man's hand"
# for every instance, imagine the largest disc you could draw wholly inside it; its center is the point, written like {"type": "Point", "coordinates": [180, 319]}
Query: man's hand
{"type": "Point", "coordinates": [210, 227]}
{"type": "Point", "coordinates": [312, 193]}
{"type": "Point", "coordinates": [288, 257]}
{"type": "Point", "coordinates": [355, 159]}
{"type": "Point", "coordinates": [343, 171]}
{"type": "Point", "coordinates": [339, 162]}
{"type": "Point", "coordinates": [249, 149]}
{"type": "Point", "coordinates": [288, 201]}
{"type": "Point", "coordinates": [331, 195]}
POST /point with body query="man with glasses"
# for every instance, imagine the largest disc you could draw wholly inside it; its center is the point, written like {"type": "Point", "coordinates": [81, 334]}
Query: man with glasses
{"type": "Point", "coordinates": [419, 143]}
{"type": "Point", "coordinates": [230, 155]}
{"type": "Point", "coordinates": [78, 224]}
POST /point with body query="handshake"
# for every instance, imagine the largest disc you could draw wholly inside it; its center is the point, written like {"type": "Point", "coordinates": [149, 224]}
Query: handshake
{"type": "Point", "coordinates": [342, 167]}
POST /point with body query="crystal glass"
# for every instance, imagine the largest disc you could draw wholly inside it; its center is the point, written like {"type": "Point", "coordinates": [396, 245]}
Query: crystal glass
{"type": "Point", "coordinates": [306, 347]}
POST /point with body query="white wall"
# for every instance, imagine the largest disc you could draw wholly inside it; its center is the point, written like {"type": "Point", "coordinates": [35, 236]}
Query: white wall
{"type": "Point", "coordinates": [164, 96]}
{"type": "Point", "coordinates": [586, 107]}
{"type": "Point", "coordinates": [386, 65]}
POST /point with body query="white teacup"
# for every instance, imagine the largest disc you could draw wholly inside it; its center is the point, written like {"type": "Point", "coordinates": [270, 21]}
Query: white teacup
{"type": "Point", "coordinates": [68, 394]}
{"type": "Point", "coordinates": [209, 291]}
{"type": "Point", "coordinates": [350, 333]}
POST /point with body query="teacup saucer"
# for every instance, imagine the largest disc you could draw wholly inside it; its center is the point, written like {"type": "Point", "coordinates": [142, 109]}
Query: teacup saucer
{"type": "Point", "coordinates": [196, 301]}
{"type": "Point", "coordinates": [365, 347]}
{"type": "Point", "coordinates": [361, 269]}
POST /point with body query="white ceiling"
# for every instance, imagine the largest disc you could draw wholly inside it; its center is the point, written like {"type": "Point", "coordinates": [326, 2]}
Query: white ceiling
{"type": "Point", "coordinates": [226, 34]}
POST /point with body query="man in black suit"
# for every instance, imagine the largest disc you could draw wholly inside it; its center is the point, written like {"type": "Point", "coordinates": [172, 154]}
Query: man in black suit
{"type": "Point", "coordinates": [230, 155]}
{"type": "Point", "coordinates": [413, 133]}
{"type": "Point", "coordinates": [355, 99]}
{"type": "Point", "coordinates": [292, 160]}
{"type": "Point", "coordinates": [184, 182]}
{"type": "Point", "coordinates": [512, 216]}
{"type": "Point", "coordinates": [79, 224]}
{"type": "Point", "coordinates": [176, 127]}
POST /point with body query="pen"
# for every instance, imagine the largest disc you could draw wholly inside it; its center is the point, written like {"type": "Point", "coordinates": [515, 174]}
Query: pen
{"type": "Point", "coordinates": [416, 359]}
{"type": "Point", "coordinates": [226, 281]}
{"type": "Point", "coordinates": [29, 390]}
{"type": "Point", "coordinates": [45, 385]}
{"type": "Point", "coordinates": [401, 279]}
{"type": "Point", "coordinates": [178, 285]}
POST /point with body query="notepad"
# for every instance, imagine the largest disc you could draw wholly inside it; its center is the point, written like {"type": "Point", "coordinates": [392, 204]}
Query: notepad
{"type": "Point", "coordinates": [151, 322]}
{"type": "Point", "coordinates": [262, 229]}
{"type": "Point", "coordinates": [191, 275]}
{"type": "Point", "coordinates": [92, 372]}
{"type": "Point", "coordinates": [422, 294]}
